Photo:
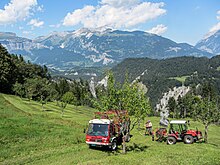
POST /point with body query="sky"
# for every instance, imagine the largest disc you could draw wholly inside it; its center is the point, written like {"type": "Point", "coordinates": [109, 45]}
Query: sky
{"type": "Point", "coordinates": [179, 20]}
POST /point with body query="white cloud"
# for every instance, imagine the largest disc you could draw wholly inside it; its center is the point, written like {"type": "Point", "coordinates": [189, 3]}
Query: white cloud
{"type": "Point", "coordinates": [78, 15]}
{"type": "Point", "coordinates": [159, 29]}
{"type": "Point", "coordinates": [36, 23]}
{"type": "Point", "coordinates": [40, 8]}
{"type": "Point", "coordinates": [218, 15]}
{"type": "Point", "coordinates": [215, 28]}
{"type": "Point", "coordinates": [119, 3]}
{"type": "Point", "coordinates": [115, 14]}
{"type": "Point", "coordinates": [26, 32]}
{"type": "Point", "coordinates": [55, 26]}
{"type": "Point", "coordinates": [16, 10]}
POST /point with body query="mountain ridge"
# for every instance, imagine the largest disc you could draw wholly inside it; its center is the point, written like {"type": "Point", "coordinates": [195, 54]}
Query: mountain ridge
{"type": "Point", "coordinates": [210, 43]}
{"type": "Point", "coordinates": [95, 47]}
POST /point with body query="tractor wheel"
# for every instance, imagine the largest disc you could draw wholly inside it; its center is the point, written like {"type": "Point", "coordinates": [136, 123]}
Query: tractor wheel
{"type": "Point", "coordinates": [171, 140]}
{"type": "Point", "coordinates": [114, 145]}
{"type": "Point", "coordinates": [188, 139]}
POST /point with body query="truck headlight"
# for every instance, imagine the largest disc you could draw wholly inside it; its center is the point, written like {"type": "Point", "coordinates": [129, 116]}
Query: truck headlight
{"type": "Point", "coordinates": [105, 140]}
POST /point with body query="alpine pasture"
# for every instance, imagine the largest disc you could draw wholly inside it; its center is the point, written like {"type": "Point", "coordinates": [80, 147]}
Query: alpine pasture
{"type": "Point", "coordinates": [30, 134]}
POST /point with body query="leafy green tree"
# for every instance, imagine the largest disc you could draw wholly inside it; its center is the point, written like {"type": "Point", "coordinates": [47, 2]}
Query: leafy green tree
{"type": "Point", "coordinates": [19, 89]}
{"type": "Point", "coordinates": [124, 97]}
{"type": "Point", "coordinates": [207, 108]}
{"type": "Point", "coordinates": [37, 89]}
{"type": "Point", "coordinates": [30, 89]}
{"type": "Point", "coordinates": [54, 94]}
{"type": "Point", "coordinates": [207, 111]}
{"type": "Point", "coordinates": [62, 105]}
{"type": "Point", "coordinates": [69, 98]}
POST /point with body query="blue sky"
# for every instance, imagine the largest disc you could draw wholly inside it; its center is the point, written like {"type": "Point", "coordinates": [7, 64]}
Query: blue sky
{"type": "Point", "coordinates": [179, 20]}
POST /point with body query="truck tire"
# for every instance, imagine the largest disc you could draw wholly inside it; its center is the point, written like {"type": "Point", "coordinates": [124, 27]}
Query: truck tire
{"type": "Point", "coordinates": [114, 145]}
{"type": "Point", "coordinates": [171, 140]}
{"type": "Point", "coordinates": [188, 139]}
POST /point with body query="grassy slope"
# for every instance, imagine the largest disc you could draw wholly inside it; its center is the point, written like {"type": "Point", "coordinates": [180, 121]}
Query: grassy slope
{"type": "Point", "coordinates": [29, 135]}
{"type": "Point", "coordinates": [181, 79]}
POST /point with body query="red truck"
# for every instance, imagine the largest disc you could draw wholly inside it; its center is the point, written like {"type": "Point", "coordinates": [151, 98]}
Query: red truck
{"type": "Point", "coordinates": [108, 129]}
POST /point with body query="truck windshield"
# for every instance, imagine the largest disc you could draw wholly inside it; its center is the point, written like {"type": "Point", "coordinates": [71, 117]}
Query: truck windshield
{"type": "Point", "coordinates": [98, 130]}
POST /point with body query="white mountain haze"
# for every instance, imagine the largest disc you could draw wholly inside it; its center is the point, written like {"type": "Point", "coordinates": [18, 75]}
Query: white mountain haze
{"type": "Point", "coordinates": [95, 47]}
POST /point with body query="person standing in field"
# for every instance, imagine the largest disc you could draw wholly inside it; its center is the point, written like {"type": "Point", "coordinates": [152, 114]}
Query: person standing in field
{"type": "Point", "coordinates": [148, 126]}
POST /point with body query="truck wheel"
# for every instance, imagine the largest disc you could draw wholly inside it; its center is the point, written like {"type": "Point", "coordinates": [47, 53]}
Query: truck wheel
{"type": "Point", "coordinates": [114, 145]}
{"type": "Point", "coordinates": [171, 140]}
{"type": "Point", "coordinates": [188, 139]}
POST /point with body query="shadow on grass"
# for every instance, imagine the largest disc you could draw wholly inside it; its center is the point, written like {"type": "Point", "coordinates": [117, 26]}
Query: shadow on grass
{"type": "Point", "coordinates": [134, 148]}
{"type": "Point", "coordinates": [139, 129]}
{"type": "Point", "coordinates": [212, 144]}
{"type": "Point", "coordinates": [48, 110]}
{"type": "Point", "coordinates": [137, 147]}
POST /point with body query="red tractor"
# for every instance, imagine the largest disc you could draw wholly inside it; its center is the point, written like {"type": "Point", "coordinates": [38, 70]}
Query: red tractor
{"type": "Point", "coordinates": [178, 131]}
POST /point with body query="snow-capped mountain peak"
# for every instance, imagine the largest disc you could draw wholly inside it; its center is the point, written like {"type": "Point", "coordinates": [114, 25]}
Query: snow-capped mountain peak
{"type": "Point", "coordinates": [95, 47]}
{"type": "Point", "coordinates": [210, 43]}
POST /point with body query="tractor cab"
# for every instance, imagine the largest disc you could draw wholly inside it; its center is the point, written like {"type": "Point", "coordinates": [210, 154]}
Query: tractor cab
{"type": "Point", "coordinates": [178, 127]}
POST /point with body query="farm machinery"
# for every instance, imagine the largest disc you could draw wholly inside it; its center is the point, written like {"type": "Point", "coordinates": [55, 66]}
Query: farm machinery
{"type": "Point", "coordinates": [109, 129]}
{"type": "Point", "coordinates": [178, 131]}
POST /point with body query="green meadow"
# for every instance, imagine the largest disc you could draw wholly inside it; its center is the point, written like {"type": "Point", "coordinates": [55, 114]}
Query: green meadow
{"type": "Point", "coordinates": [32, 135]}
{"type": "Point", "coordinates": [180, 79]}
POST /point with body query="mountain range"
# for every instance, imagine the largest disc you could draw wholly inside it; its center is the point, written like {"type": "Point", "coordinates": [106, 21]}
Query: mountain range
{"type": "Point", "coordinates": [96, 48]}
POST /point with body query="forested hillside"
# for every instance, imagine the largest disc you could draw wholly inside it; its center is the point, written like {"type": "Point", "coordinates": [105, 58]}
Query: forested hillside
{"type": "Point", "coordinates": [160, 75]}
{"type": "Point", "coordinates": [33, 81]}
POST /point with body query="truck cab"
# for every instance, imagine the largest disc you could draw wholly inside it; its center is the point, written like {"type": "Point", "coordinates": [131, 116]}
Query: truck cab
{"type": "Point", "coordinates": [102, 132]}
{"type": "Point", "coordinates": [109, 129]}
